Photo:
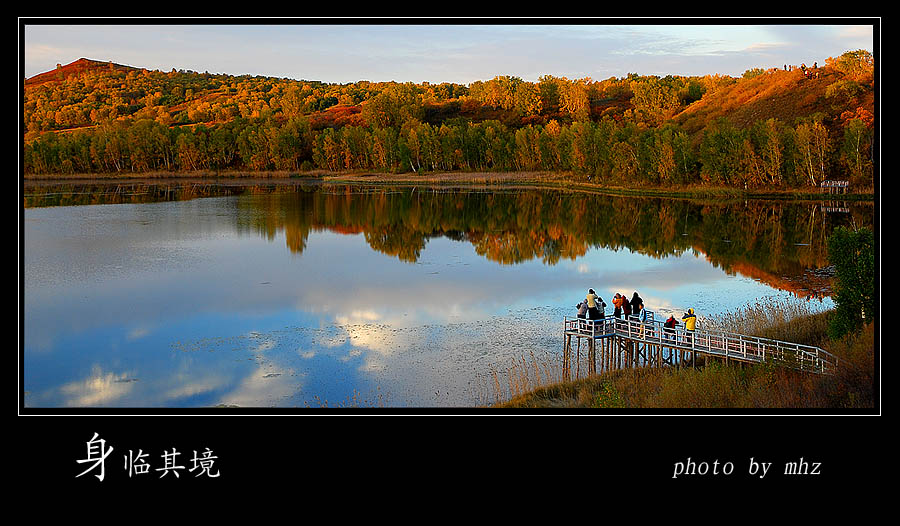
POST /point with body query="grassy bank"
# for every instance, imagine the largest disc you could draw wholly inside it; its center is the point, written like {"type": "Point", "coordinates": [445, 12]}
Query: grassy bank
{"type": "Point", "coordinates": [728, 387]}
{"type": "Point", "coordinates": [556, 180]}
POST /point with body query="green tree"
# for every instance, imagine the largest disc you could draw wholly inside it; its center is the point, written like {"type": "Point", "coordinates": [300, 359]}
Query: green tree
{"type": "Point", "coordinates": [385, 149]}
{"type": "Point", "coordinates": [768, 144]}
{"type": "Point", "coordinates": [813, 145]}
{"type": "Point", "coordinates": [528, 151]}
{"type": "Point", "coordinates": [854, 64]}
{"type": "Point", "coordinates": [753, 72]}
{"type": "Point", "coordinates": [548, 86]}
{"type": "Point", "coordinates": [528, 99]}
{"type": "Point", "coordinates": [574, 99]}
{"type": "Point", "coordinates": [655, 99]}
{"type": "Point", "coordinates": [721, 152]}
{"type": "Point", "coordinates": [852, 252]}
{"type": "Point", "coordinates": [584, 155]}
{"type": "Point", "coordinates": [856, 150]}
{"type": "Point", "coordinates": [553, 146]}
{"type": "Point", "coordinates": [381, 111]}
{"type": "Point", "coordinates": [222, 147]}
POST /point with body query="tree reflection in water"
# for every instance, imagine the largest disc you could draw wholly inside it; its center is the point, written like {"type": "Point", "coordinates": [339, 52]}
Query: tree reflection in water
{"type": "Point", "coordinates": [777, 242]}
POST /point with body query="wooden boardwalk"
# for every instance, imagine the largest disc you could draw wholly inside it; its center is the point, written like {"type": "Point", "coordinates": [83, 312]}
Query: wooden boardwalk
{"type": "Point", "coordinates": [838, 187]}
{"type": "Point", "coordinates": [614, 343]}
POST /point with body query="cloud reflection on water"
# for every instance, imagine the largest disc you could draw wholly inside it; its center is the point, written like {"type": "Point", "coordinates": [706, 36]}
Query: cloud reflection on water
{"type": "Point", "coordinates": [99, 389]}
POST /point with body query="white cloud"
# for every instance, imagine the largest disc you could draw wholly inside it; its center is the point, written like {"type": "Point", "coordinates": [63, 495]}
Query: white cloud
{"type": "Point", "coordinates": [437, 53]}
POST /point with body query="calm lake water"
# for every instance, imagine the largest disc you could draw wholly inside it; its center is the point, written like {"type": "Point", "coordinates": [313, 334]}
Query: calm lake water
{"type": "Point", "coordinates": [175, 295]}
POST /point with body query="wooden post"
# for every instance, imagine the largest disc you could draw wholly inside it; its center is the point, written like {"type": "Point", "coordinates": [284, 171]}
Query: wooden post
{"type": "Point", "coordinates": [592, 349]}
{"type": "Point", "coordinates": [612, 353]}
{"type": "Point", "coordinates": [615, 354]}
{"type": "Point", "coordinates": [603, 354]}
{"type": "Point", "coordinates": [606, 353]}
{"type": "Point", "coordinates": [619, 350]}
{"type": "Point", "coordinates": [578, 360]}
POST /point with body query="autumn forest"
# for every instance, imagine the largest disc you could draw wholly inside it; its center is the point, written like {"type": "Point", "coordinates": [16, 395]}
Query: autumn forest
{"type": "Point", "coordinates": [788, 126]}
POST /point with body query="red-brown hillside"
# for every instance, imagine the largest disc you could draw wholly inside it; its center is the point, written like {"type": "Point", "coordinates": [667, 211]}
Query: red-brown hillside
{"type": "Point", "coordinates": [75, 68]}
{"type": "Point", "coordinates": [782, 95]}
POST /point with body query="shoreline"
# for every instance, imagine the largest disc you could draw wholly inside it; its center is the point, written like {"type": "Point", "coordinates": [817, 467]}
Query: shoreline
{"type": "Point", "coordinates": [550, 180]}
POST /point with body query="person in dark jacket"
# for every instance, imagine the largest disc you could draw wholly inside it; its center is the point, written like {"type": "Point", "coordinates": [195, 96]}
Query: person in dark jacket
{"type": "Point", "coordinates": [626, 307]}
{"type": "Point", "coordinates": [637, 304]}
{"type": "Point", "coordinates": [670, 326]}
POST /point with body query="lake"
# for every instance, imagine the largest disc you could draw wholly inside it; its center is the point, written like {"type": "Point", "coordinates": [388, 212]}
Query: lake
{"type": "Point", "coordinates": [175, 294]}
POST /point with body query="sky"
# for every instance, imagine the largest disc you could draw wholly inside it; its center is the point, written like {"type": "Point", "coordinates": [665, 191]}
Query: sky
{"type": "Point", "coordinates": [441, 50]}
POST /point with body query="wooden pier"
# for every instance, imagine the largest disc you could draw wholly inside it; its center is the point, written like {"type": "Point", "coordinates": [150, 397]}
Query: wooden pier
{"type": "Point", "coordinates": [615, 343]}
{"type": "Point", "coordinates": [836, 187]}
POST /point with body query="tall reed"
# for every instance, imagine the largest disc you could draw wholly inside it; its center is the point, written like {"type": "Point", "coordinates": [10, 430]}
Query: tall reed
{"type": "Point", "coordinates": [523, 376]}
{"type": "Point", "coordinates": [786, 319]}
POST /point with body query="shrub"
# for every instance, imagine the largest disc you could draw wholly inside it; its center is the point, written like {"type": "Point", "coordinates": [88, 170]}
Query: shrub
{"type": "Point", "coordinates": [852, 252]}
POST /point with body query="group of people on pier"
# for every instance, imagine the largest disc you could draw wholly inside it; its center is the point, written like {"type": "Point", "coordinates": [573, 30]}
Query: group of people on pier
{"type": "Point", "coordinates": [594, 308]}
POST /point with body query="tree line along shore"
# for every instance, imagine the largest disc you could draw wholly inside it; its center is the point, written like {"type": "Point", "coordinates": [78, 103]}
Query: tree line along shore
{"type": "Point", "coordinates": [769, 130]}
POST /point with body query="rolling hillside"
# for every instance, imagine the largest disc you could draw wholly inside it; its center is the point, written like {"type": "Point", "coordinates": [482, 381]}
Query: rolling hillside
{"type": "Point", "coordinates": [783, 95]}
{"type": "Point", "coordinates": [92, 116]}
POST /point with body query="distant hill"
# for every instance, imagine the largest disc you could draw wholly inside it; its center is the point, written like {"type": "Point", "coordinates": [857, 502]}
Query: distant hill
{"type": "Point", "coordinates": [78, 67]}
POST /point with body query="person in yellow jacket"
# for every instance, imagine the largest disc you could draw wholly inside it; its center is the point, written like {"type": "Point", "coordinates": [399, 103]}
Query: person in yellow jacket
{"type": "Point", "coordinates": [690, 322]}
{"type": "Point", "coordinates": [595, 305]}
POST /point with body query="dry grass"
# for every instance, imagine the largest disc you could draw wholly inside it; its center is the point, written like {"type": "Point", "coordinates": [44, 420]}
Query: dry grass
{"type": "Point", "coordinates": [779, 319]}
{"type": "Point", "coordinates": [355, 400]}
{"type": "Point", "coordinates": [854, 385]}
{"type": "Point", "coordinates": [155, 175]}
{"type": "Point", "coordinates": [542, 179]}
{"type": "Point", "coordinates": [521, 377]}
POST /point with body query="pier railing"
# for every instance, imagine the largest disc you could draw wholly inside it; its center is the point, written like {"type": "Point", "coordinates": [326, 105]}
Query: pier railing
{"type": "Point", "coordinates": [721, 344]}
